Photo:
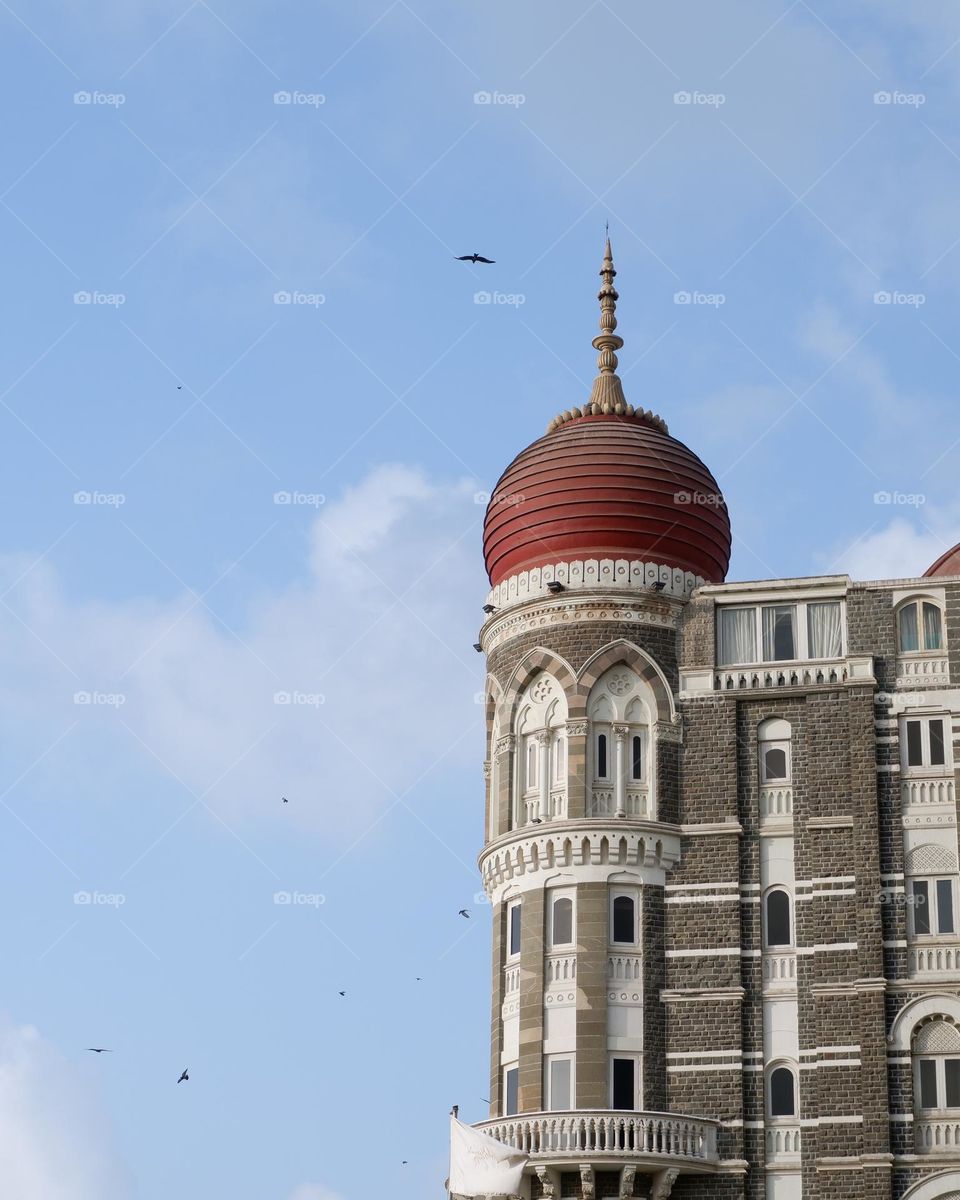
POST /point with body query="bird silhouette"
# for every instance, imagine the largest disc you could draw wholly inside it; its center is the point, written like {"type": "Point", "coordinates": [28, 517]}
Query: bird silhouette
{"type": "Point", "coordinates": [342, 993]}
{"type": "Point", "coordinates": [179, 387]}
{"type": "Point", "coordinates": [464, 913]}
{"type": "Point", "coordinates": [184, 1077]}
{"type": "Point", "coordinates": [99, 1050]}
{"type": "Point", "coordinates": [473, 258]}
{"type": "Point", "coordinates": [284, 799]}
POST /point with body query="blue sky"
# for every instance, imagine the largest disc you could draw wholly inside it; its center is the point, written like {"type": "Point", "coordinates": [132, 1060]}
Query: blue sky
{"type": "Point", "coordinates": [149, 636]}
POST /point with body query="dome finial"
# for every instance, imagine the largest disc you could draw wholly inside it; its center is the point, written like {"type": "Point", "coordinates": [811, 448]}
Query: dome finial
{"type": "Point", "coordinates": [607, 395]}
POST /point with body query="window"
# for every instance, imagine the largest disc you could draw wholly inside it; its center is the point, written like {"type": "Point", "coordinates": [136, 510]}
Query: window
{"type": "Point", "coordinates": [624, 920]}
{"type": "Point", "coordinates": [936, 1049]}
{"type": "Point", "coordinates": [773, 737]}
{"type": "Point", "coordinates": [623, 1083]}
{"type": "Point", "coordinates": [558, 1084]}
{"type": "Point", "coordinates": [559, 759]}
{"type": "Point", "coordinates": [780, 632]}
{"type": "Point", "coordinates": [932, 906]}
{"type": "Point", "coordinates": [920, 626]}
{"type": "Point", "coordinates": [602, 766]}
{"type": "Point", "coordinates": [782, 1093]}
{"type": "Point", "coordinates": [774, 764]}
{"type": "Point", "coordinates": [777, 918]}
{"type": "Point", "coordinates": [562, 922]}
{"type": "Point", "coordinates": [924, 742]}
{"type": "Point", "coordinates": [513, 936]}
{"type": "Point", "coordinates": [636, 757]}
{"type": "Point", "coordinates": [533, 761]}
{"type": "Point", "coordinates": [511, 1091]}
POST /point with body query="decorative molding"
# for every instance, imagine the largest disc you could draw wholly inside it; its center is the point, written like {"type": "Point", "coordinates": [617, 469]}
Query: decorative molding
{"type": "Point", "coordinates": [588, 1183]}
{"type": "Point", "coordinates": [830, 823]}
{"type": "Point", "coordinates": [620, 574]}
{"type": "Point", "coordinates": [577, 728]}
{"type": "Point", "coordinates": [627, 1176]}
{"type": "Point", "coordinates": [663, 1184]}
{"type": "Point", "coordinates": [669, 731]}
{"type": "Point", "coordinates": [505, 744]}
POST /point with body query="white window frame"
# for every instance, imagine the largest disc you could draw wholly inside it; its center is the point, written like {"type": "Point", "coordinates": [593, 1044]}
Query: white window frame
{"type": "Point", "coordinates": [781, 947]}
{"type": "Point", "coordinates": [506, 1071]}
{"type": "Point", "coordinates": [558, 758]}
{"type": "Point", "coordinates": [531, 764]}
{"type": "Point", "coordinates": [800, 630]}
{"type": "Point", "coordinates": [925, 767]}
{"type": "Point", "coordinates": [784, 744]}
{"type": "Point", "coordinates": [933, 907]}
{"type": "Point", "coordinates": [630, 894]}
{"type": "Point", "coordinates": [940, 1061]}
{"type": "Point", "coordinates": [602, 728]}
{"type": "Point", "coordinates": [513, 955]}
{"type": "Point", "coordinates": [640, 731]}
{"type": "Point", "coordinates": [918, 602]}
{"type": "Point", "coordinates": [548, 1061]}
{"type": "Point", "coordinates": [553, 895]}
{"type": "Point", "coordinates": [637, 1060]}
{"type": "Point", "coordinates": [779, 1064]}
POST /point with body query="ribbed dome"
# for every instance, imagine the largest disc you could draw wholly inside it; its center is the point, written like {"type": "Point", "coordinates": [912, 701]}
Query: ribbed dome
{"type": "Point", "coordinates": [607, 487]}
{"type": "Point", "coordinates": [947, 564]}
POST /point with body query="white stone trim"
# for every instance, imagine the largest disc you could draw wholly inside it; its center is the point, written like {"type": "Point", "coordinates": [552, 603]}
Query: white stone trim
{"type": "Point", "coordinates": [724, 952]}
{"type": "Point", "coordinates": [593, 574]}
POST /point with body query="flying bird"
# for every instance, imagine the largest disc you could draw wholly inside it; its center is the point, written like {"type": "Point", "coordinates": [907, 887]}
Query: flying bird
{"type": "Point", "coordinates": [473, 258]}
{"type": "Point", "coordinates": [284, 799]}
{"type": "Point", "coordinates": [184, 1078]}
{"type": "Point", "coordinates": [342, 993]}
{"type": "Point", "coordinates": [99, 1050]}
{"type": "Point", "coordinates": [179, 387]}
{"type": "Point", "coordinates": [464, 913]}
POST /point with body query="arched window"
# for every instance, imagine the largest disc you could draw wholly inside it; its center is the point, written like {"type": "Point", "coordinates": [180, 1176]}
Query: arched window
{"type": "Point", "coordinates": [920, 627]}
{"type": "Point", "coordinates": [624, 920]}
{"type": "Point", "coordinates": [559, 759]}
{"type": "Point", "coordinates": [781, 1092]}
{"type": "Point", "coordinates": [773, 739]}
{"type": "Point", "coordinates": [603, 764]}
{"type": "Point", "coordinates": [636, 757]}
{"type": "Point", "coordinates": [619, 708]}
{"type": "Point", "coordinates": [777, 918]}
{"type": "Point", "coordinates": [936, 1064]}
{"type": "Point", "coordinates": [562, 922]}
{"type": "Point", "coordinates": [539, 787]}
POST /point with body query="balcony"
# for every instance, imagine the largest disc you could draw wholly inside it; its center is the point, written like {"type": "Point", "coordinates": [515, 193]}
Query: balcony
{"type": "Point", "coordinates": [779, 971]}
{"type": "Point", "coordinates": [554, 809]}
{"type": "Point", "coordinates": [915, 670]}
{"type": "Point", "coordinates": [938, 1134]}
{"type": "Point", "coordinates": [607, 1136]}
{"type": "Point", "coordinates": [783, 1143]}
{"type": "Point", "coordinates": [934, 959]}
{"type": "Point", "coordinates": [603, 802]}
{"type": "Point", "coordinates": [939, 790]}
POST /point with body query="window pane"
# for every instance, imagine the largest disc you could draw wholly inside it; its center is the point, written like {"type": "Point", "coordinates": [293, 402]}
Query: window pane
{"type": "Point", "coordinates": [623, 1085]}
{"type": "Point", "coordinates": [909, 639]}
{"type": "Point", "coordinates": [515, 929]}
{"type": "Point", "coordinates": [823, 630]}
{"type": "Point", "coordinates": [945, 906]}
{"type": "Point", "coordinates": [932, 632]}
{"type": "Point", "coordinates": [602, 756]}
{"type": "Point", "coordinates": [914, 744]}
{"type": "Point", "coordinates": [560, 1084]}
{"type": "Point", "coordinates": [562, 922]}
{"type": "Point", "coordinates": [778, 641]}
{"type": "Point", "coordinates": [936, 743]}
{"type": "Point", "coordinates": [531, 763]}
{"type": "Point", "coordinates": [921, 906]}
{"type": "Point", "coordinates": [513, 1091]}
{"type": "Point", "coordinates": [737, 628]}
{"type": "Point", "coordinates": [928, 1083]}
{"type": "Point", "coordinates": [624, 921]}
{"type": "Point", "coordinates": [558, 752]}
{"type": "Point", "coordinates": [782, 1102]}
{"type": "Point", "coordinates": [637, 764]}
{"type": "Point", "coordinates": [951, 1071]}
{"type": "Point", "coordinates": [778, 919]}
{"type": "Point", "coordinates": [775, 763]}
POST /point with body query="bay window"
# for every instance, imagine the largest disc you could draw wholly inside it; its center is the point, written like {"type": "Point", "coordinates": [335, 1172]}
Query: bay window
{"type": "Point", "coordinates": [779, 632]}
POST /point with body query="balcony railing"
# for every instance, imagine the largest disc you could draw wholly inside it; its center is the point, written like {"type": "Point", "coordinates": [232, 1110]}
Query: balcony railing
{"type": "Point", "coordinates": [782, 1143]}
{"type": "Point", "coordinates": [773, 675]}
{"type": "Point", "coordinates": [928, 791]}
{"type": "Point", "coordinates": [776, 802]}
{"type": "Point", "coordinates": [560, 969]}
{"type": "Point", "coordinates": [606, 1134]}
{"type": "Point", "coordinates": [922, 668]}
{"type": "Point", "coordinates": [603, 802]}
{"type": "Point", "coordinates": [626, 968]}
{"type": "Point", "coordinates": [935, 1134]}
{"type": "Point", "coordinates": [779, 969]}
{"type": "Point", "coordinates": [934, 959]}
{"type": "Point", "coordinates": [556, 807]}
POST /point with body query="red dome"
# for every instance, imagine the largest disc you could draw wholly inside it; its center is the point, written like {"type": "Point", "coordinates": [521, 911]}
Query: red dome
{"type": "Point", "coordinates": [948, 563]}
{"type": "Point", "coordinates": [607, 486]}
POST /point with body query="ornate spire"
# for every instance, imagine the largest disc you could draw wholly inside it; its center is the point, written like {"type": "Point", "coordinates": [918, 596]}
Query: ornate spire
{"type": "Point", "coordinates": [607, 390]}
{"type": "Point", "coordinates": [606, 395]}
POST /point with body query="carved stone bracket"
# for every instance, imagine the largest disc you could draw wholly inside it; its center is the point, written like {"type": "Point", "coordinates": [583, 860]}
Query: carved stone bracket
{"type": "Point", "coordinates": [668, 731]}
{"type": "Point", "coordinates": [549, 1183]}
{"type": "Point", "coordinates": [577, 728]}
{"type": "Point", "coordinates": [505, 744]}
{"type": "Point", "coordinates": [621, 731]}
{"type": "Point", "coordinates": [663, 1184]}
{"type": "Point", "coordinates": [486, 768]}
{"type": "Point", "coordinates": [543, 737]}
{"type": "Point", "coordinates": [627, 1176]}
{"type": "Point", "coordinates": [588, 1182]}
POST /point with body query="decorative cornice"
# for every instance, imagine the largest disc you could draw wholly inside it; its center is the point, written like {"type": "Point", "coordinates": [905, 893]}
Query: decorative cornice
{"type": "Point", "coordinates": [595, 575]}
{"type": "Point", "coordinates": [505, 744]}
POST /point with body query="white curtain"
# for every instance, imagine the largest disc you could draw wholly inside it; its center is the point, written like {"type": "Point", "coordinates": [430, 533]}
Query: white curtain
{"type": "Point", "coordinates": [823, 627]}
{"type": "Point", "coordinates": [909, 639]}
{"type": "Point", "coordinates": [779, 637]}
{"type": "Point", "coordinates": [931, 627]}
{"type": "Point", "coordinates": [738, 635]}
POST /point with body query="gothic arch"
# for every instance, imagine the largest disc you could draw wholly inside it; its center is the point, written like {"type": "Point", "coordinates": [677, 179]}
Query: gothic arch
{"type": "Point", "coordinates": [622, 651]}
{"type": "Point", "coordinates": [938, 1004]}
{"type": "Point", "coordinates": [493, 691]}
{"type": "Point", "coordinates": [533, 662]}
{"type": "Point", "coordinates": [945, 1185]}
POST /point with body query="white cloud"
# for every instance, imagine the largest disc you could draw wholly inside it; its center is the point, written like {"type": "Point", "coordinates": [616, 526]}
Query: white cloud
{"type": "Point", "coordinates": [902, 549]}
{"type": "Point", "coordinates": [339, 691]}
{"type": "Point", "coordinates": [54, 1142]}
{"type": "Point", "coordinates": [312, 1191]}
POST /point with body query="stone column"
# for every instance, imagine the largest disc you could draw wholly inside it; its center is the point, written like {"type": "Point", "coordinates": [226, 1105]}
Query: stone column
{"type": "Point", "coordinates": [505, 751]}
{"type": "Point", "coordinates": [531, 1001]}
{"type": "Point", "coordinates": [543, 750]}
{"type": "Point", "coordinates": [592, 951]}
{"type": "Point", "coordinates": [577, 790]}
{"type": "Point", "coordinates": [620, 760]}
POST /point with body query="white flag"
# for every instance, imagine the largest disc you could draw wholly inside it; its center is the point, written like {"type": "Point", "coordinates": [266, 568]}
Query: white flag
{"type": "Point", "coordinates": [482, 1166]}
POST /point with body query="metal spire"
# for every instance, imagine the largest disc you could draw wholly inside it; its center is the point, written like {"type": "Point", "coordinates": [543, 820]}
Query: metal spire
{"type": "Point", "coordinates": [607, 391]}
